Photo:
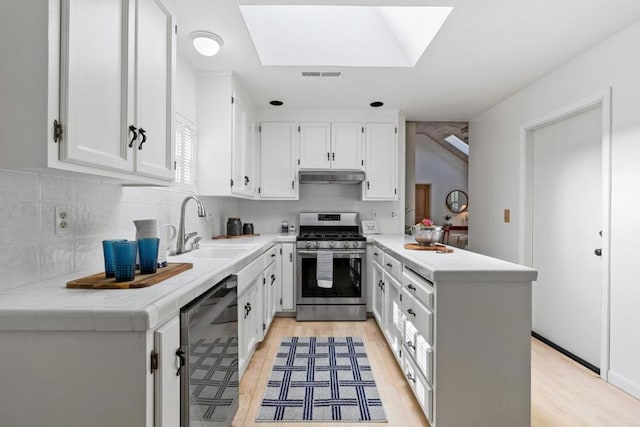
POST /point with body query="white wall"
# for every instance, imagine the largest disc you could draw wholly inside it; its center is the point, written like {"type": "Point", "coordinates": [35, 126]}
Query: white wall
{"type": "Point", "coordinates": [444, 171]}
{"type": "Point", "coordinates": [185, 89]}
{"type": "Point", "coordinates": [494, 172]}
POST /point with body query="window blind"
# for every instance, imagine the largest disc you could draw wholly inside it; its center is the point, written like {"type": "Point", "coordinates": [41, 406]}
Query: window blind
{"type": "Point", "coordinates": [185, 155]}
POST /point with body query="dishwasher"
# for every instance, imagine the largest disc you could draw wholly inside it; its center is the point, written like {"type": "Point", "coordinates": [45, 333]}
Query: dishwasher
{"type": "Point", "coordinates": [208, 353]}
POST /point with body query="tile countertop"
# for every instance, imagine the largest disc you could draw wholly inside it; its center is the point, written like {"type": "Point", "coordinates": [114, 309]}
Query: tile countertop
{"type": "Point", "coordinates": [458, 266]}
{"type": "Point", "coordinates": [49, 305]}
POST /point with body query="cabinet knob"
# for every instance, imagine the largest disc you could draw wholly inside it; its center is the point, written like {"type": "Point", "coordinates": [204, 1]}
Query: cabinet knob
{"type": "Point", "coordinates": [389, 265]}
{"type": "Point", "coordinates": [180, 354]}
{"type": "Point", "coordinates": [144, 138]}
{"type": "Point", "coordinates": [333, 156]}
{"type": "Point", "coordinates": [273, 278]}
{"type": "Point", "coordinates": [246, 180]}
{"type": "Point", "coordinates": [410, 378]}
{"type": "Point", "coordinates": [411, 312]}
{"type": "Point", "coordinates": [133, 130]}
{"type": "Point", "coordinates": [410, 345]}
{"type": "Point", "coordinates": [411, 287]}
{"type": "Point", "coordinates": [328, 156]}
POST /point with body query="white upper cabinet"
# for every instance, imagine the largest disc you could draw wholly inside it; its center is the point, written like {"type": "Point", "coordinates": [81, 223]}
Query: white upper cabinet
{"type": "Point", "coordinates": [315, 145]}
{"type": "Point", "coordinates": [346, 146]}
{"type": "Point", "coordinates": [381, 153]}
{"type": "Point", "coordinates": [330, 145]}
{"type": "Point", "coordinates": [226, 137]}
{"type": "Point", "coordinates": [155, 74]}
{"type": "Point", "coordinates": [96, 108]}
{"type": "Point", "coordinates": [117, 71]}
{"type": "Point", "coordinates": [278, 154]}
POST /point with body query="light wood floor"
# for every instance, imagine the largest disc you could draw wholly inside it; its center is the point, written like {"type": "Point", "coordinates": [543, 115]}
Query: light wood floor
{"type": "Point", "coordinates": [563, 392]}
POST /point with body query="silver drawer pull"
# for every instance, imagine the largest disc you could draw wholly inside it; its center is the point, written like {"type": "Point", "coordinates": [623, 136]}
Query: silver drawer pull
{"type": "Point", "coordinates": [411, 312]}
{"type": "Point", "coordinates": [410, 378]}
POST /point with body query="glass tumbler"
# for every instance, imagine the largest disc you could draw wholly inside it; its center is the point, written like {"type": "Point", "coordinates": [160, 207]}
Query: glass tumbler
{"type": "Point", "coordinates": [109, 259]}
{"type": "Point", "coordinates": [148, 249]}
{"type": "Point", "coordinates": [125, 260]}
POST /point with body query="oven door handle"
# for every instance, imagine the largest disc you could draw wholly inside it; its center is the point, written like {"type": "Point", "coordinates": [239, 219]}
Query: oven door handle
{"type": "Point", "coordinates": [350, 252]}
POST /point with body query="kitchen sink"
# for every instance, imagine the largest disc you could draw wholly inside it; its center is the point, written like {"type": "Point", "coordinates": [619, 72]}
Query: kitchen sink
{"type": "Point", "coordinates": [222, 252]}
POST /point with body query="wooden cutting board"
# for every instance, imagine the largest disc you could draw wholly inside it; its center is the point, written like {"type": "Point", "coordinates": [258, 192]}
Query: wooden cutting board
{"type": "Point", "coordinates": [436, 247]}
{"type": "Point", "coordinates": [235, 237]}
{"type": "Point", "coordinates": [98, 281]}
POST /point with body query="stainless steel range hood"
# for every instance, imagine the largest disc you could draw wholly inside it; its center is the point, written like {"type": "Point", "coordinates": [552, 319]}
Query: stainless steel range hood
{"type": "Point", "coordinates": [324, 176]}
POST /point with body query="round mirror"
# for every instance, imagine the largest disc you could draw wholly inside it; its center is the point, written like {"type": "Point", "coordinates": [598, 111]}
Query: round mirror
{"type": "Point", "coordinates": [457, 201]}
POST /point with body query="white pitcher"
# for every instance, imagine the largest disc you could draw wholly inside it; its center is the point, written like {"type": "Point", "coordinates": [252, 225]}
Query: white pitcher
{"type": "Point", "coordinates": [149, 228]}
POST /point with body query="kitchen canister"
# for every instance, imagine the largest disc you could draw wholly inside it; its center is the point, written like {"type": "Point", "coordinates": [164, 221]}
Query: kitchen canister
{"type": "Point", "coordinates": [247, 228]}
{"type": "Point", "coordinates": [234, 227]}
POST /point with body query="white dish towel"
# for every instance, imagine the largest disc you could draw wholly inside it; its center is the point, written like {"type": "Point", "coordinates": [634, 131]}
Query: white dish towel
{"type": "Point", "coordinates": [324, 269]}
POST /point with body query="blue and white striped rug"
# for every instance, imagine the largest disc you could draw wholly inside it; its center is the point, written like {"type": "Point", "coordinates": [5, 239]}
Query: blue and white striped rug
{"type": "Point", "coordinates": [321, 379]}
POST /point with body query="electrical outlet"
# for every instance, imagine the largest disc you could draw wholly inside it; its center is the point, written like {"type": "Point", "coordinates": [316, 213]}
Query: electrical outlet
{"type": "Point", "coordinates": [393, 213]}
{"type": "Point", "coordinates": [63, 220]}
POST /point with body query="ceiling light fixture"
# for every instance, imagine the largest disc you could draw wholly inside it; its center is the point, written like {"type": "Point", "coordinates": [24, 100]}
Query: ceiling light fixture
{"type": "Point", "coordinates": [276, 103]}
{"type": "Point", "coordinates": [206, 43]}
{"type": "Point", "coordinates": [377, 104]}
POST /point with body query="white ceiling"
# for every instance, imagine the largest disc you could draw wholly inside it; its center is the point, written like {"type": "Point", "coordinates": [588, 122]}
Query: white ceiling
{"type": "Point", "coordinates": [486, 50]}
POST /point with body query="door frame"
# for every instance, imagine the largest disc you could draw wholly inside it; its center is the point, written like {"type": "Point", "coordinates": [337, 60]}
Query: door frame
{"type": "Point", "coordinates": [415, 187]}
{"type": "Point", "coordinates": [601, 99]}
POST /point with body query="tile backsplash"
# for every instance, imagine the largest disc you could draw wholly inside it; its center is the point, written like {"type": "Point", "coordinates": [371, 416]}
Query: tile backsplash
{"type": "Point", "coordinates": [32, 251]}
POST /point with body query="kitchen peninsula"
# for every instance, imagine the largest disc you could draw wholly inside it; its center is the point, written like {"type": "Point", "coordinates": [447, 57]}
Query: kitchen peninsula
{"type": "Point", "coordinates": [458, 324]}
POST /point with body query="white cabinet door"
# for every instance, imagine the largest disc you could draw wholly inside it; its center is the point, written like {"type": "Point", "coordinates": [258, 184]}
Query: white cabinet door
{"type": "Point", "coordinates": [278, 156]}
{"type": "Point", "coordinates": [287, 278]}
{"type": "Point", "coordinates": [381, 149]}
{"type": "Point", "coordinates": [250, 149]}
{"type": "Point", "coordinates": [240, 147]}
{"type": "Point", "coordinates": [346, 146]}
{"type": "Point", "coordinates": [248, 319]}
{"type": "Point", "coordinates": [378, 294]}
{"type": "Point", "coordinates": [393, 316]}
{"type": "Point", "coordinates": [167, 383]}
{"type": "Point", "coordinates": [315, 145]}
{"type": "Point", "coordinates": [155, 69]}
{"type": "Point", "coordinates": [269, 285]}
{"type": "Point", "coordinates": [96, 72]}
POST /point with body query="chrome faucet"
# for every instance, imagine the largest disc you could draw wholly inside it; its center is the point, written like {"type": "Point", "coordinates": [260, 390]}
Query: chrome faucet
{"type": "Point", "coordinates": [182, 237]}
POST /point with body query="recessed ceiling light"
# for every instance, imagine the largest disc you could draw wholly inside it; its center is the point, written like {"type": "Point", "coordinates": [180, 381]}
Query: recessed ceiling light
{"type": "Point", "coordinates": [377, 104]}
{"type": "Point", "coordinates": [206, 43]}
{"type": "Point", "coordinates": [276, 103]}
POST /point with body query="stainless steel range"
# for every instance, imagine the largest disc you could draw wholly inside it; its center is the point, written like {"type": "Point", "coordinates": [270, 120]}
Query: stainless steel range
{"type": "Point", "coordinates": [330, 278]}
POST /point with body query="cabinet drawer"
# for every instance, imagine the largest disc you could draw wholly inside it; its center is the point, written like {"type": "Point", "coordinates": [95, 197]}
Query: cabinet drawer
{"type": "Point", "coordinates": [422, 354]}
{"type": "Point", "coordinates": [378, 255]}
{"type": "Point", "coordinates": [420, 387]}
{"type": "Point", "coordinates": [269, 257]}
{"type": "Point", "coordinates": [249, 273]}
{"type": "Point", "coordinates": [419, 287]}
{"type": "Point", "coordinates": [419, 319]}
{"type": "Point", "coordinates": [393, 267]}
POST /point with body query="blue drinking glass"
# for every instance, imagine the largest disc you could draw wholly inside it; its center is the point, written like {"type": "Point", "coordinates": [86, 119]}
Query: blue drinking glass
{"type": "Point", "coordinates": [125, 260]}
{"type": "Point", "coordinates": [148, 249]}
{"type": "Point", "coordinates": [109, 260]}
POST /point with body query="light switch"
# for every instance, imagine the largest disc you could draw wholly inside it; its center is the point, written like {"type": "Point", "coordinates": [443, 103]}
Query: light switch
{"type": "Point", "coordinates": [507, 215]}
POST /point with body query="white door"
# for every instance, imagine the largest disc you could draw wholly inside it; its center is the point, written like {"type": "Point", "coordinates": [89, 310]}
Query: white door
{"type": "Point", "coordinates": [315, 145]}
{"type": "Point", "coordinates": [154, 76]}
{"type": "Point", "coordinates": [566, 220]}
{"type": "Point", "coordinates": [167, 383]}
{"type": "Point", "coordinates": [381, 149]}
{"type": "Point", "coordinates": [346, 146]}
{"type": "Point", "coordinates": [95, 76]}
{"type": "Point", "coordinates": [278, 161]}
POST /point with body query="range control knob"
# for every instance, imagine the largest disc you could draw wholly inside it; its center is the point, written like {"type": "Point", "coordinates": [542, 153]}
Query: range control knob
{"type": "Point", "coordinates": [317, 245]}
{"type": "Point", "coordinates": [346, 245]}
{"type": "Point", "coordinates": [307, 244]}
{"type": "Point", "coordinates": [332, 244]}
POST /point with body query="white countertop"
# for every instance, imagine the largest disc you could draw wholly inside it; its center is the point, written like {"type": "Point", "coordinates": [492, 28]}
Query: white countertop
{"type": "Point", "coordinates": [458, 266]}
{"type": "Point", "coordinates": [50, 305]}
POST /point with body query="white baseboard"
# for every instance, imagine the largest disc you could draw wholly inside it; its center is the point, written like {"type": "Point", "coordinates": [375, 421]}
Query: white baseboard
{"type": "Point", "coordinates": [623, 383]}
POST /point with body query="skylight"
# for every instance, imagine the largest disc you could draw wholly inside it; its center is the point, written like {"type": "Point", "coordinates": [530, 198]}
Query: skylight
{"type": "Point", "coordinates": [458, 143]}
{"type": "Point", "coordinates": [350, 36]}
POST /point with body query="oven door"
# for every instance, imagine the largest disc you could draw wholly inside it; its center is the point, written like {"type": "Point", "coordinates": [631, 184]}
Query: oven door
{"type": "Point", "coordinates": [348, 278]}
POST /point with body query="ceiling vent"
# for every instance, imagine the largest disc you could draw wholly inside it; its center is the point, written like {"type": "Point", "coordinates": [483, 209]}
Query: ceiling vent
{"type": "Point", "coordinates": [321, 74]}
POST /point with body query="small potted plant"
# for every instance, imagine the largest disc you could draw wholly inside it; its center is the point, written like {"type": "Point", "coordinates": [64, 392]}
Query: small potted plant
{"type": "Point", "coordinates": [447, 218]}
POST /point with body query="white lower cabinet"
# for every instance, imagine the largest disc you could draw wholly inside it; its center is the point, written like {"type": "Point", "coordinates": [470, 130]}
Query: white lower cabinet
{"type": "Point", "coordinates": [393, 319]}
{"type": "Point", "coordinates": [286, 255]}
{"type": "Point", "coordinates": [167, 383]}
